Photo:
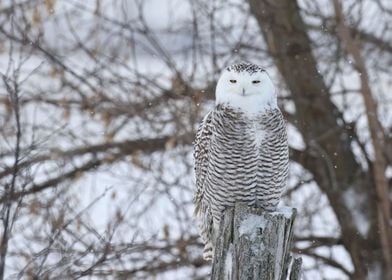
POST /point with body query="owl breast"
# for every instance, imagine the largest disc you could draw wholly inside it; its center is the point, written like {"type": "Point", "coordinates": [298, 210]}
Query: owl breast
{"type": "Point", "coordinates": [247, 162]}
{"type": "Point", "coordinates": [258, 133]}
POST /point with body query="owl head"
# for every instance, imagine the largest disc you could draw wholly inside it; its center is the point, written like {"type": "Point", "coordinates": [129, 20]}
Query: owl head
{"type": "Point", "coordinates": [246, 86]}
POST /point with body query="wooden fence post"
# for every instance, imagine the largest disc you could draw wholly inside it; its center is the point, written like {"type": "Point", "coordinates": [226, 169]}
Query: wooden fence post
{"type": "Point", "coordinates": [253, 244]}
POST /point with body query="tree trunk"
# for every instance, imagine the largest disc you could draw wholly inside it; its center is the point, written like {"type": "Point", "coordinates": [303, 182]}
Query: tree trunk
{"type": "Point", "coordinates": [377, 136]}
{"type": "Point", "coordinates": [328, 154]}
{"type": "Point", "coordinates": [254, 244]}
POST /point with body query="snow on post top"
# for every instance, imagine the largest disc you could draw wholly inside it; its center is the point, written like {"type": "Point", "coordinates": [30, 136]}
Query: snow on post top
{"type": "Point", "coordinates": [251, 224]}
{"type": "Point", "coordinates": [287, 212]}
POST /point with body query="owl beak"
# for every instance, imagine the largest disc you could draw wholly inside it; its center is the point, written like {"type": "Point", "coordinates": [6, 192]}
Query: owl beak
{"type": "Point", "coordinates": [243, 92]}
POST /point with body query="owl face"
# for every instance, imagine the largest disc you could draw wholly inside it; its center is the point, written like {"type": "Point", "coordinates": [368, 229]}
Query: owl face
{"type": "Point", "coordinates": [246, 85]}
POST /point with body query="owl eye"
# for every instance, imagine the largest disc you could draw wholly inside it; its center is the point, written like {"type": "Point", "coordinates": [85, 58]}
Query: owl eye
{"type": "Point", "coordinates": [255, 82]}
{"type": "Point", "coordinates": [233, 81]}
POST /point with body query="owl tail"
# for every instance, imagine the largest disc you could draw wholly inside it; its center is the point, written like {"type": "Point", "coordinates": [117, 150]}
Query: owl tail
{"type": "Point", "coordinates": [208, 251]}
{"type": "Point", "coordinates": [205, 224]}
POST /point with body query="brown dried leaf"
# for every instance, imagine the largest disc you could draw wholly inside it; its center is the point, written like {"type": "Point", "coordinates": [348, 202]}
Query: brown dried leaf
{"type": "Point", "coordinates": [97, 11]}
{"type": "Point", "coordinates": [170, 143]}
{"type": "Point", "coordinates": [50, 5]}
{"type": "Point", "coordinates": [36, 19]}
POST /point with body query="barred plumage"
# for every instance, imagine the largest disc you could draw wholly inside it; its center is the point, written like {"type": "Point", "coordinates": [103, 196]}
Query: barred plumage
{"type": "Point", "coordinates": [238, 157]}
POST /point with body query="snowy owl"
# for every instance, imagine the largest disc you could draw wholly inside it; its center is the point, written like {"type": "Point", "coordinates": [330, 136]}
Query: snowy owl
{"type": "Point", "coordinates": [241, 151]}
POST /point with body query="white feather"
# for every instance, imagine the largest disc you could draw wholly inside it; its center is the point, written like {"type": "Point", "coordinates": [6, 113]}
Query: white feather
{"type": "Point", "coordinates": [259, 136]}
{"type": "Point", "coordinates": [251, 98]}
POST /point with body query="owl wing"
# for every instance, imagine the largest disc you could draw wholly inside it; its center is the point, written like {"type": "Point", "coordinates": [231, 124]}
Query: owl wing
{"type": "Point", "coordinates": [280, 148]}
{"type": "Point", "coordinates": [201, 156]}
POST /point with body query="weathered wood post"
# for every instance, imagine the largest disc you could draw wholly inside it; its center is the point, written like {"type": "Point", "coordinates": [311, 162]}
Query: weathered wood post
{"type": "Point", "coordinates": [253, 244]}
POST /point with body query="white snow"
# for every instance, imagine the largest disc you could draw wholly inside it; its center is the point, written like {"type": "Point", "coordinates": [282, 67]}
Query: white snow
{"type": "Point", "coordinates": [250, 225]}
{"type": "Point", "coordinates": [375, 271]}
{"type": "Point", "coordinates": [295, 138]}
{"type": "Point", "coordinates": [354, 201]}
{"type": "Point", "coordinates": [229, 263]}
{"type": "Point", "coordinates": [285, 210]}
{"type": "Point", "coordinates": [388, 171]}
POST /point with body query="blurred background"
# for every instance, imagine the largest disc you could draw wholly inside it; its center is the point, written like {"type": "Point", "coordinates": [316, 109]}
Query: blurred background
{"type": "Point", "coordinates": [99, 102]}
